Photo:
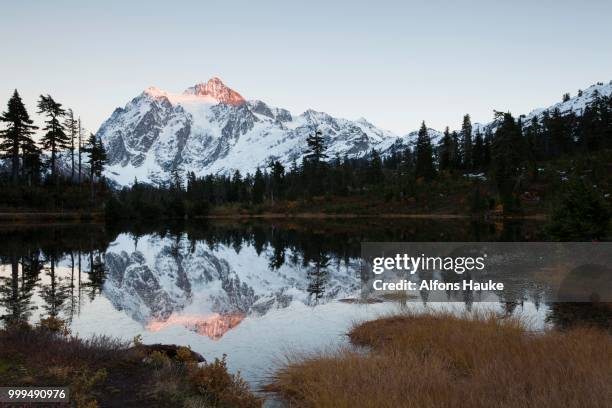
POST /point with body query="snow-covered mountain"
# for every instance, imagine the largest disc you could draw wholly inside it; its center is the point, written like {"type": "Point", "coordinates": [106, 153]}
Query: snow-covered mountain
{"type": "Point", "coordinates": [575, 104]}
{"type": "Point", "coordinates": [211, 128]}
{"type": "Point", "coordinates": [163, 281]}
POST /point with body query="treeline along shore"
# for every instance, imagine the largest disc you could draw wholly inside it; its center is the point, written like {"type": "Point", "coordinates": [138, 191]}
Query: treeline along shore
{"type": "Point", "coordinates": [554, 164]}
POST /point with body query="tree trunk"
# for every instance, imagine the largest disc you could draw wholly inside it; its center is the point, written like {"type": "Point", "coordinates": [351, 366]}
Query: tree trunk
{"type": "Point", "coordinates": [72, 308]}
{"type": "Point", "coordinates": [80, 143]}
{"type": "Point", "coordinates": [79, 281]}
{"type": "Point", "coordinates": [15, 287]}
{"type": "Point", "coordinates": [15, 165]}
{"type": "Point", "coordinates": [91, 183]}
{"type": "Point", "coordinates": [53, 174]}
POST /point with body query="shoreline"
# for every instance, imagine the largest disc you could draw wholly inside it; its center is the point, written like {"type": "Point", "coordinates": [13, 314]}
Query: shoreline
{"type": "Point", "coordinates": [18, 217]}
{"type": "Point", "coordinates": [15, 218]}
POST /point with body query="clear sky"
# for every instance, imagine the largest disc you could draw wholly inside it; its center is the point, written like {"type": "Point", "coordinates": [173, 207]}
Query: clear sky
{"type": "Point", "coordinates": [392, 62]}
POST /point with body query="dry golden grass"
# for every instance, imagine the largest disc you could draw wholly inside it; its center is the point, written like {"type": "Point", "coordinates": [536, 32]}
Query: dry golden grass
{"type": "Point", "coordinates": [106, 370]}
{"type": "Point", "coordinates": [440, 360]}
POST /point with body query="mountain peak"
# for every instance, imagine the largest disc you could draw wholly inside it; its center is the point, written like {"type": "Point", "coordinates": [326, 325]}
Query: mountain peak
{"type": "Point", "coordinates": [217, 89]}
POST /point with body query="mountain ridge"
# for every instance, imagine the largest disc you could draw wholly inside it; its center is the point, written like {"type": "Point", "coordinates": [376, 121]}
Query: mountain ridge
{"type": "Point", "coordinates": [212, 129]}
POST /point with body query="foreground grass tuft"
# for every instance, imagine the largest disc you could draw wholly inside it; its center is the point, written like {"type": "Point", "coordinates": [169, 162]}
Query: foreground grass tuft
{"type": "Point", "coordinates": [441, 360]}
{"type": "Point", "coordinates": [102, 371]}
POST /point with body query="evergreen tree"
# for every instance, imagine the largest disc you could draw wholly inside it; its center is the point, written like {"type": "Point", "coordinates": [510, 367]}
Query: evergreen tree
{"type": "Point", "coordinates": [277, 179]}
{"type": "Point", "coordinates": [259, 187]}
{"type": "Point", "coordinates": [488, 137]}
{"type": "Point", "coordinates": [316, 148]}
{"type": "Point", "coordinates": [466, 142]}
{"type": "Point", "coordinates": [235, 187]}
{"type": "Point", "coordinates": [507, 158]}
{"type": "Point", "coordinates": [32, 168]}
{"type": "Point", "coordinates": [581, 214]}
{"type": "Point", "coordinates": [532, 137]}
{"type": "Point", "coordinates": [176, 179]}
{"type": "Point", "coordinates": [314, 164]}
{"type": "Point", "coordinates": [55, 139]}
{"type": "Point", "coordinates": [478, 151]}
{"type": "Point", "coordinates": [318, 277]}
{"type": "Point", "coordinates": [558, 135]}
{"type": "Point", "coordinates": [80, 149]}
{"type": "Point", "coordinates": [456, 156]}
{"type": "Point", "coordinates": [17, 135]}
{"type": "Point", "coordinates": [97, 159]}
{"type": "Point", "coordinates": [72, 131]}
{"type": "Point", "coordinates": [424, 155]}
{"type": "Point", "coordinates": [594, 129]}
{"type": "Point", "coordinates": [374, 170]}
{"type": "Point", "coordinates": [445, 148]}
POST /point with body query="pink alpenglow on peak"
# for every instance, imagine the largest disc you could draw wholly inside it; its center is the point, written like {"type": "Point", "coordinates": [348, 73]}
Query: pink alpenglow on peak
{"type": "Point", "coordinates": [216, 89]}
{"type": "Point", "coordinates": [155, 92]}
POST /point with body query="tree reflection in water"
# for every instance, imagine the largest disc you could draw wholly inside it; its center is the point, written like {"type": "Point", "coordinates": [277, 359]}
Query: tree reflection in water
{"type": "Point", "coordinates": [66, 266]}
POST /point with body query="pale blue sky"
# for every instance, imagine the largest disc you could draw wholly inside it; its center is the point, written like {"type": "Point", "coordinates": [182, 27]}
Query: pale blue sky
{"type": "Point", "coordinates": [392, 62]}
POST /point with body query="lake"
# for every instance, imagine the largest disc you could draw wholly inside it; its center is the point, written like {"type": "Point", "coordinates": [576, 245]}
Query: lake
{"type": "Point", "coordinates": [248, 289]}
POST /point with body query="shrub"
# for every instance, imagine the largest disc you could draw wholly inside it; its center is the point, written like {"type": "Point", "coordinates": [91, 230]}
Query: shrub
{"type": "Point", "coordinates": [184, 354]}
{"type": "Point", "coordinates": [55, 325]}
{"type": "Point", "coordinates": [219, 388]}
{"type": "Point", "coordinates": [581, 214]}
{"type": "Point", "coordinates": [159, 359]}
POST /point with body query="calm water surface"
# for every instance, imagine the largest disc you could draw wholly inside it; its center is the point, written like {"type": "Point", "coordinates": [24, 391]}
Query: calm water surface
{"type": "Point", "coordinates": [256, 291]}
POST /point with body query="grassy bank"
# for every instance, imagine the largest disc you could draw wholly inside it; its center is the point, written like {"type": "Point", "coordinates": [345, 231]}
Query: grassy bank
{"type": "Point", "coordinates": [446, 361]}
{"type": "Point", "coordinates": [102, 371]}
{"type": "Point", "coordinates": [18, 217]}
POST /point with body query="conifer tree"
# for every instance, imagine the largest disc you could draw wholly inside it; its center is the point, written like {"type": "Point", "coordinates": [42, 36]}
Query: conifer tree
{"type": "Point", "coordinates": [533, 139]}
{"type": "Point", "coordinates": [466, 142]}
{"type": "Point", "coordinates": [487, 147]}
{"type": "Point", "coordinates": [478, 151]}
{"type": "Point", "coordinates": [456, 157]}
{"type": "Point", "coordinates": [374, 170]}
{"type": "Point", "coordinates": [176, 179]}
{"type": "Point", "coordinates": [406, 173]}
{"type": "Point", "coordinates": [32, 164]}
{"type": "Point", "coordinates": [16, 137]}
{"type": "Point", "coordinates": [72, 131]}
{"type": "Point", "coordinates": [507, 158]}
{"type": "Point", "coordinates": [80, 148]}
{"type": "Point", "coordinates": [259, 187]}
{"type": "Point", "coordinates": [97, 159]}
{"type": "Point", "coordinates": [581, 213]}
{"type": "Point", "coordinates": [314, 163]}
{"type": "Point", "coordinates": [277, 179]}
{"type": "Point", "coordinates": [424, 155]}
{"type": "Point", "coordinates": [446, 145]}
{"type": "Point", "coordinates": [318, 276]}
{"type": "Point", "coordinates": [55, 139]}
{"type": "Point", "coordinates": [316, 148]}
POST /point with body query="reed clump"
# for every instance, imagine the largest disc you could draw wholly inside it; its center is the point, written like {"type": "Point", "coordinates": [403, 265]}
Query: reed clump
{"type": "Point", "coordinates": [444, 360]}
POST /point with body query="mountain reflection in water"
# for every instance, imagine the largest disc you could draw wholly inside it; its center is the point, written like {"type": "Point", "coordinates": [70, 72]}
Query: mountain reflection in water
{"type": "Point", "coordinates": [214, 326]}
{"type": "Point", "coordinates": [237, 285]}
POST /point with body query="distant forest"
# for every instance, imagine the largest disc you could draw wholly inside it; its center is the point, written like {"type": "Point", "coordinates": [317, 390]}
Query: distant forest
{"type": "Point", "coordinates": [507, 167]}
